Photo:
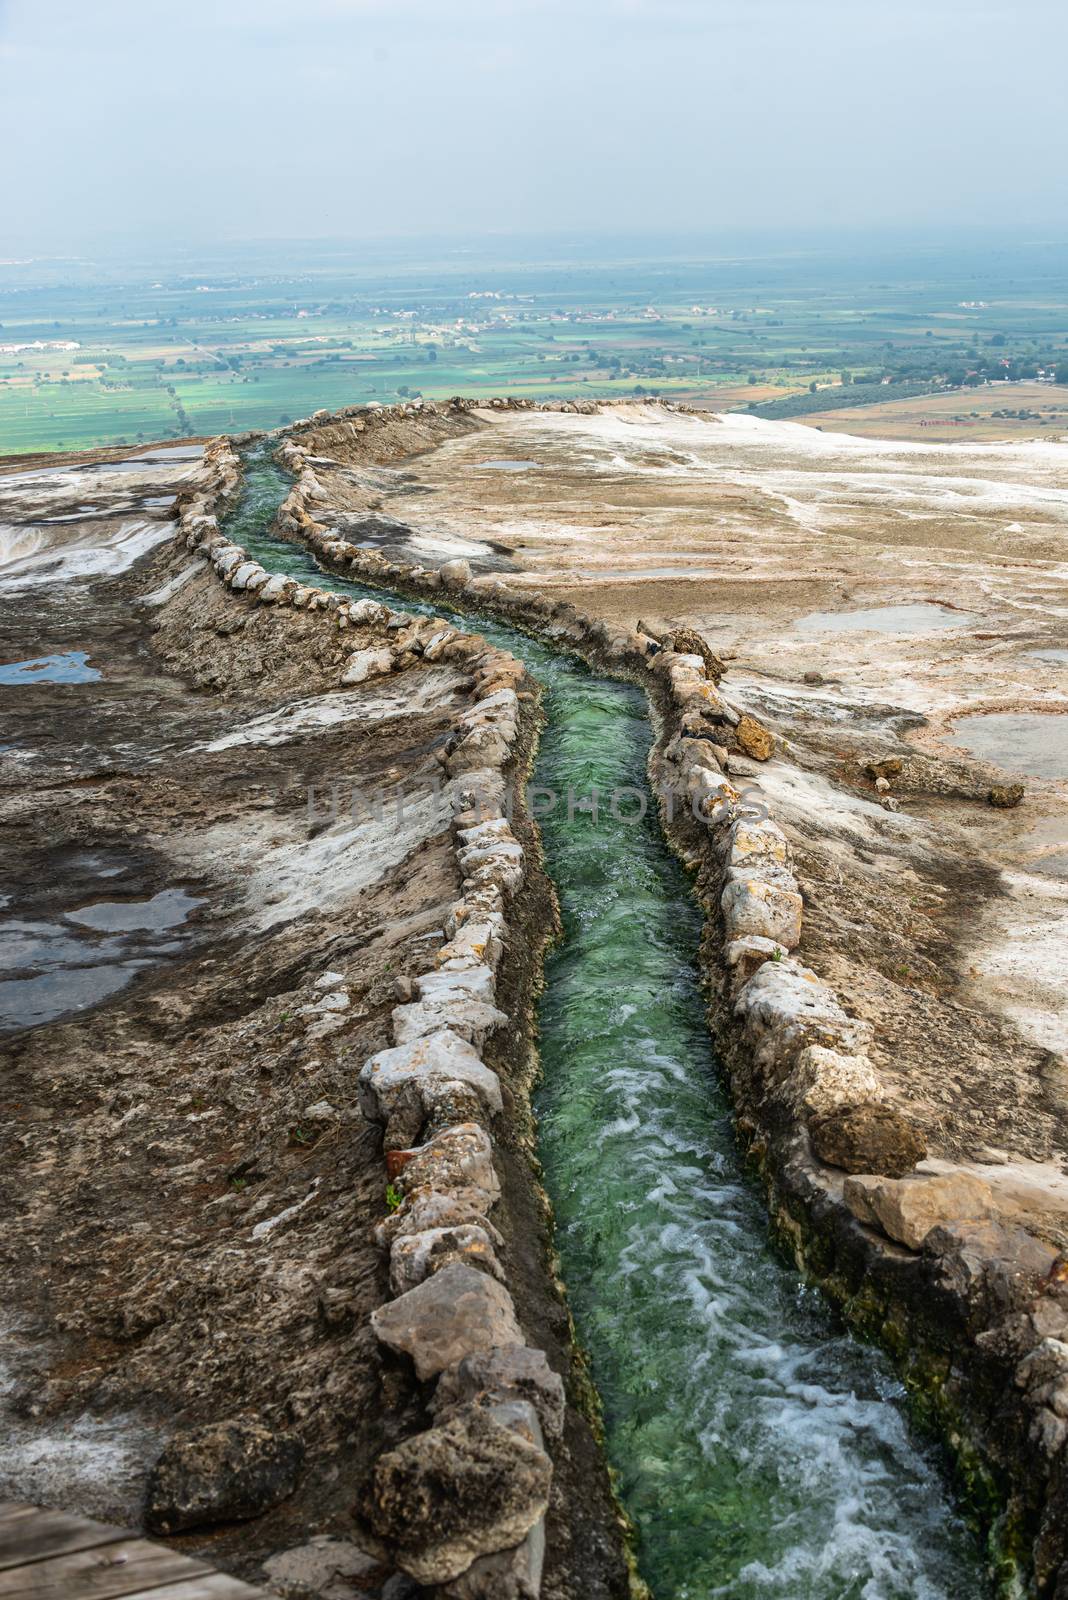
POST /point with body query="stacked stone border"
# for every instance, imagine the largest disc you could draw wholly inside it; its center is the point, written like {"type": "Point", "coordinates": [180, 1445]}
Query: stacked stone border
{"type": "Point", "coordinates": [973, 1307]}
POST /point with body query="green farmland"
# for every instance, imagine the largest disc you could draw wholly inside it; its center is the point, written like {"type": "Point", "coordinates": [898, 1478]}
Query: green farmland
{"type": "Point", "coordinates": [90, 358]}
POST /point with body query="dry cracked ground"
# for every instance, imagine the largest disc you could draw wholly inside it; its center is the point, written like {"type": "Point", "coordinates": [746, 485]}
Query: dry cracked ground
{"type": "Point", "coordinates": [897, 612]}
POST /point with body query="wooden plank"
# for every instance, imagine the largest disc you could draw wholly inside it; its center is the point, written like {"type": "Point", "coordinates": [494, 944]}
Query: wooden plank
{"type": "Point", "coordinates": [214, 1586]}
{"type": "Point", "coordinates": [128, 1567]}
{"type": "Point", "coordinates": [30, 1533]}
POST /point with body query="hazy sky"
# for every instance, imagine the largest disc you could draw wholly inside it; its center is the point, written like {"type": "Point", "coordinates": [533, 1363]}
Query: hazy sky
{"type": "Point", "coordinates": [311, 118]}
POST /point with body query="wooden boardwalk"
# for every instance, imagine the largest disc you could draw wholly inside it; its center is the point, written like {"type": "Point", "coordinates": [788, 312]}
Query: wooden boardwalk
{"type": "Point", "coordinates": [50, 1555]}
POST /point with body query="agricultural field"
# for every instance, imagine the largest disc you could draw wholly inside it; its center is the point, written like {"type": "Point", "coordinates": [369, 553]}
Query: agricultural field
{"type": "Point", "coordinates": [91, 356]}
{"type": "Point", "coordinates": [996, 411]}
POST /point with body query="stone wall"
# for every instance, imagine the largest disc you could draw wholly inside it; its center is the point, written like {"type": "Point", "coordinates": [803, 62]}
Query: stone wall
{"type": "Point", "coordinates": [974, 1307]}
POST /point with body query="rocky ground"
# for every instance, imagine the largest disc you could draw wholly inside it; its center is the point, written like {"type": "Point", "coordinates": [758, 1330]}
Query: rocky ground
{"type": "Point", "coordinates": [869, 598]}
{"type": "Point", "coordinates": [224, 857]}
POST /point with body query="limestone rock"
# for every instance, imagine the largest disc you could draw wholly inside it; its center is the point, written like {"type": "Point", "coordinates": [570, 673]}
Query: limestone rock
{"type": "Point", "coordinates": [458, 1158]}
{"type": "Point", "coordinates": [786, 1008]}
{"type": "Point", "coordinates": [470, 1487]}
{"type": "Point", "coordinates": [515, 1372]}
{"type": "Point", "coordinates": [906, 1209]}
{"type": "Point", "coordinates": [243, 572]}
{"type": "Point", "coordinates": [763, 908]}
{"type": "Point", "coordinates": [754, 738]}
{"type": "Point", "coordinates": [417, 1256]}
{"type": "Point", "coordinates": [477, 939]}
{"type": "Point", "coordinates": [471, 1019]}
{"type": "Point", "coordinates": [367, 611]}
{"type": "Point", "coordinates": [746, 954]}
{"type": "Point", "coordinates": [824, 1081]}
{"type": "Point", "coordinates": [482, 746]}
{"type": "Point", "coordinates": [508, 1575]}
{"type": "Point", "coordinates": [275, 588]}
{"type": "Point", "coordinates": [364, 664]}
{"type": "Point", "coordinates": [454, 1313]}
{"type": "Point", "coordinates": [752, 843]}
{"type": "Point", "coordinates": [455, 574]}
{"type": "Point", "coordinates": [429, 1062]}
{"type": "Point", "coordinates": [868, 1138]}
{"type": "Point", "coordinates": [223, 1472]}
{"type": "Point", "coordinates": [425, 1208]}
{"type": "Point", "coordinates": [474, 982]}
{"type": "Point", "coordinates": [435, 645]}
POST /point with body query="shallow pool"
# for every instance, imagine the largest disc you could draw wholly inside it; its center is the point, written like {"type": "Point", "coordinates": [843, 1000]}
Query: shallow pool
{"type": "Point", "coordinates": [919, 618]}
{"type": "Point", "coordinates": [1020, 741]}
{"type": "Point", "coordinates": [72, 666]}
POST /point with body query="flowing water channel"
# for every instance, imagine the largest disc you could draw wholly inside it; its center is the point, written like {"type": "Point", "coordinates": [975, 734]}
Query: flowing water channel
{"type": "Point", "coordinates": [761, 1450]}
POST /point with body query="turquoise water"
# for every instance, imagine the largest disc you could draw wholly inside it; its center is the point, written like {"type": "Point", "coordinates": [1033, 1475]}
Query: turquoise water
{"type": "Point", "coordinates": [761, 1450]}
{"type": "Point", "coordinates": [70, 667]}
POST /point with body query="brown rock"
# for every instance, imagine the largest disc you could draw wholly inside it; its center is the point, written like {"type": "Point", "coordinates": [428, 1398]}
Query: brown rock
{"type": "Point", "coordinates": [906, 1209]}
{"type": "Point", "coordinates": [868, 1138]}
{"type": "Point", "coordinates": [891, 767]}
{"type": "Point", "coordinates": [224, 1472]}
{"type": "Point", "coordinates": [1006, 795]}
{"type": "Point", "coordinates": [754, 738]}
{"type": "Point", "coordinates": [688, 642]}
{"type": "Point", "coordinates": [471, 1487]}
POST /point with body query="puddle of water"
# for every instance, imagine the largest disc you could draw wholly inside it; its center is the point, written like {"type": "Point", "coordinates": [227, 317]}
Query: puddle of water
{"type": "Point", "coordinates": [150, 458]}
{"type": "Point", "coordinates": [168, 909]}
{"type": "Point", "coordinates": [1019, 741]}
{"type": "Point", "coordinates": [920, 618]}
{"type": "Point", "coordinates": [503, 464]}
{"type": "Point", "coordinates": [49, 969]}
{"type": "Point", "coordinates": [29, 1002]}
{"type": "Point", "coordinates": [70, 667]}
{"type": "Point", "coordinates": [1052, 654]}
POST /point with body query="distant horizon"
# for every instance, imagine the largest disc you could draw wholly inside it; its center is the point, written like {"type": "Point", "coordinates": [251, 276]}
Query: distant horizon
{"type": "Point", "coordinates": [622, 247]}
